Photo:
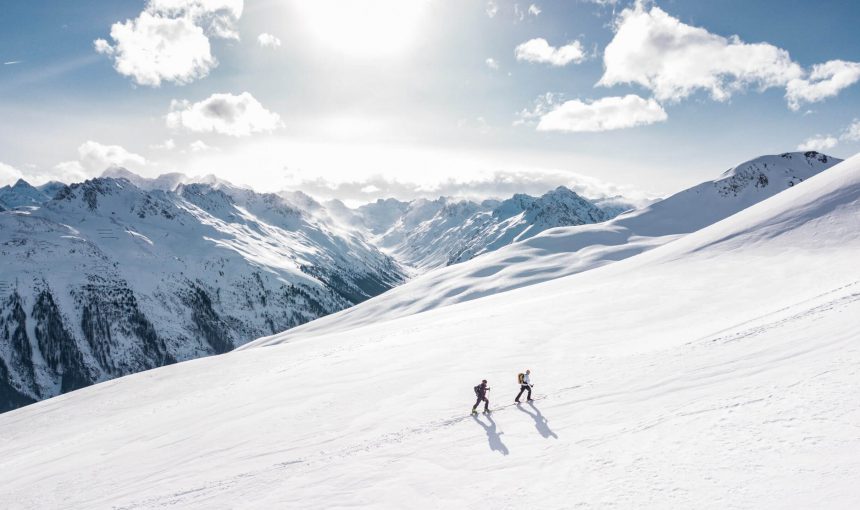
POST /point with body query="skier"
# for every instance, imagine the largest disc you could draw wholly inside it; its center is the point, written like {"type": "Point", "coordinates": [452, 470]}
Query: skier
{"type": "Point", "coordinates": [525, 385]}
{"type": "Point", "coordinates": [481, 392]}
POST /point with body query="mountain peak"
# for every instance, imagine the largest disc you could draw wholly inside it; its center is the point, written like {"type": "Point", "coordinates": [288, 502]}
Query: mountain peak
{"type": "Point", "coordinates": [22, 193]}
{"type": "Point", "coordinates": [786, 170]}
{"type": "Point", "coordinates": [114, 171]}
{"type": "Point", "coordinates": [90, 190]}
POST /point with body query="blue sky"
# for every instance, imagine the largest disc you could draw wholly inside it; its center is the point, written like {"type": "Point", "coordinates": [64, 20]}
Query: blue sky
{"type": "Point", "coordinates": [421, 97]}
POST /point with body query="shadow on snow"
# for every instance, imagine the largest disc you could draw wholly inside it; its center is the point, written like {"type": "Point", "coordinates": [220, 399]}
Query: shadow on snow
{"type": "Point", "coordinates": [493, 437]}
{"type": "Point", "coordinates": [541, 423]}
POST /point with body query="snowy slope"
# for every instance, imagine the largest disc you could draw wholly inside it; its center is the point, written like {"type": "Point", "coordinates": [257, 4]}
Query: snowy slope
{"type": "Point", "coordinates": [109, 279]}
{"type": "Point", "coordinates": [563, 251]}
{"type": "Point", "coordinates": [222, 265]}
{"type": "Point", "coordinates": [717, 371]}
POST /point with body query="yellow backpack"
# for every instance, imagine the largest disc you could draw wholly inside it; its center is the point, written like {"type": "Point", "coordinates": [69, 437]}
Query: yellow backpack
{"type": "Point", "coordinates": [520, 378]}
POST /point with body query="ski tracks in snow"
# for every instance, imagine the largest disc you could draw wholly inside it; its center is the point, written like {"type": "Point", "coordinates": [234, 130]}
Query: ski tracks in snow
{"type": "Point", "coordinates": [275, 473]}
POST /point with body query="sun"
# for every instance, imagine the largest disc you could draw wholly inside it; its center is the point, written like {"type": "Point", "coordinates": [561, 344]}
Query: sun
{"type": "Point", "coordinates": [363, 28]}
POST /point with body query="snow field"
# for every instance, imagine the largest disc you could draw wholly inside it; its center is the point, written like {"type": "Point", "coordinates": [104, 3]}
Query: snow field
{"type": "Point", "coordinates": [716, 371]}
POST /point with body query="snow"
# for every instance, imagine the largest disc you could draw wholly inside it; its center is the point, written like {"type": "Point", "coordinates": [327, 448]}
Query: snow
{"type": "Point", "coordinates": [259, 264]}
{"type": "Point", "coordinates": [568, 250]}
{"type": "Point", "coordinates": [177, 267]}
{"type": "Point", "coordinates": [716, 371]}
{"type": "Point", "coordinates": [21, 194]}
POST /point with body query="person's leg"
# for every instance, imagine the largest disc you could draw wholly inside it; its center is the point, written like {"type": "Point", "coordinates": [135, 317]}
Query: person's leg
{"type": "Point", "coordinates": [529, 388]}
{"type": "Point", "coordinates": [522, 388]}
{"type": "Point", "coordinates": [486, 404]}
{"type": "Point", "coordinates": [476, 404]}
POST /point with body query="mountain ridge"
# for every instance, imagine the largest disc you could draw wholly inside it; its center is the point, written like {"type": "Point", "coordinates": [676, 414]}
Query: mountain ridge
{"type": "Point", "coordinates": [563, 251]}
{"type": "Point", "coordinates": [107, 279]}
{"type": "Point", "coordinates": [232, 264]}
{"type": "Point", "coordinates": [672, 379]}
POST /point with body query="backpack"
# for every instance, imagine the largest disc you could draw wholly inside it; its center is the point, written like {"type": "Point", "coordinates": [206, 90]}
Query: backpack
{"type": "Point", "coordinates": [520, 378]}
{"type": "Point", "coordinates": [478, 390]}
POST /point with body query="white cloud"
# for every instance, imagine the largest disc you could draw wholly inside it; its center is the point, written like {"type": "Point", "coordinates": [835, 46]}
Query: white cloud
{"type": "Point", "coordinates": [825, 80]}
{"type": "Point", "coordinates": [218, 17]}
{"type": "Point", "coordinates": [9, 174]}
{"type": "Point", "coordinates": [152, 49]}
{"type": "Point", "coordinates": [268, 41]}
{"type": "Point", "coordinates": [169, 40]}
{"type": "Point", "coordinates": [199, 146]}
{"type": "Point", "coordinates": [852, 132]}
{"type": "Point", "coordinates": [825, 142]}
{"type": "Point", "coordinates": [539, 50]}
{"type": "Point", "coordinates": [228, 114]}
{"type": "Point", "coordinates": [519, 14]}
{"type": "Point", "coordinates": [487, 184]}
{"type": "Point", "coordinates": [93, 159]}
{"type": "Point", "coordinates": [818, 143]}
{"type": "Point", "coordinates": [543, 104]}
{"type": "Point", "coordinates": [534, 10]}
{"type": "Point", "coordinates": [492, 64]}
{"type": "Point", "coordinates": [69, 172]}
{"type": "Point", "coordinates": [96, 157]}
{"type": "Point", "coordinates": [674, 60]}
{"type": "Point", "coordinates": [492, 9]}
{"type": "Point", "coordinates": [604, 114]}
{"type": "Point", "coordinates": [167, 145]}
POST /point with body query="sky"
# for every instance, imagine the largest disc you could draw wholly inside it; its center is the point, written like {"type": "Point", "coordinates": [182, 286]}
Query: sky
{"type": "Point", "coordinates": [374, 98]}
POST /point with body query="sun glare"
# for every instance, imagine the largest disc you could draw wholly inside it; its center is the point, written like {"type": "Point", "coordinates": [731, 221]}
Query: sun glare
{"type": "Point", "coordinates": [364, 28]}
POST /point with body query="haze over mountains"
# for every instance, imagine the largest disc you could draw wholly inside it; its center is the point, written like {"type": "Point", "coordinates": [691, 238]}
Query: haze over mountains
{"type": "Point", "coordinates": [122, 273]}
{"type": "Point", "coordinates": [717, 370]}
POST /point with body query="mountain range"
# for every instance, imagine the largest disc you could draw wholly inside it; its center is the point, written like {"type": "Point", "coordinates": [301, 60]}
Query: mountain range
{"type": "Point", "coordinates": [563, 251]}
{"type": "Point", "coordinates": [715, 370]}
{"type": "Point", "coordinates": [123, 273]}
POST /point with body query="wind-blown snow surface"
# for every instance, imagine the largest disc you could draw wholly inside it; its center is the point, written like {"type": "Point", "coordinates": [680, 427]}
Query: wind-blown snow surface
{"type": "Point", "coordinates": [717, 371]}
{"type": "Point", "coordinates": [568, 250]}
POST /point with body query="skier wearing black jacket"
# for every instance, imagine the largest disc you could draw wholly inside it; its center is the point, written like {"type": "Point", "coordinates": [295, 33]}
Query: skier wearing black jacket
{"type": "Point", "coordinates": [481, 392]}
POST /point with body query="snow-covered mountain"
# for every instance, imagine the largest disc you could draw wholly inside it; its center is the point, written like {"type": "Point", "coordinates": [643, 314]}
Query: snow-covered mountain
{"type": "Point", "coordinates": [564, 251]}
{"type": "Point", "coordinates": [164, 182]}
{"type": "Point", "coordinates": [716, 371]}
{"type": "Point", "coordinates": [233, 264]}
{"type": "Point", "coordinates": [426, 234]}
{"type": "Point", "coordinates": [21, 194]}
{"type": "Point", "coordinates": [107, 279]}
{"type": "Point", "coordinates": [126, 273]}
